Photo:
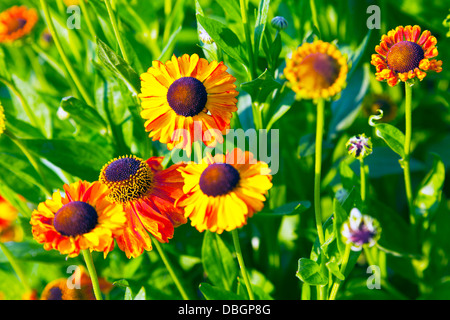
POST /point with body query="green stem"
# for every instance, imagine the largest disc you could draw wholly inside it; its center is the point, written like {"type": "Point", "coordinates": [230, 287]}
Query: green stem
{"type": "Point", "coordinates": [317, 179]}
{"type": "Point", "coordinates": [248, 39]}
{"type": "Point", "coordinates": [67, 63]}
{"type": "Point", "coordinates": [407, 150]}
{"type": "Point", "coordinates": [318, 168]}
{"type": "Point", "coordinates": [88, 20]}
{"type": "Point", "coordinates": [46, 187]}
{"type": "Point", "coordinates": [240, 258]}
{"type": "Point", "coordinates": [92, 273]}
{"type": "Point", "coordinates": [112, 17]}
{"type": "Point", "coordinates": [362, 173]}
{"type": "Point", "coordinates": [15, 266]}
{"type": "Point", "coordinates": [345, 259]}
{"type": "Point", "coordinates": [170, 270]}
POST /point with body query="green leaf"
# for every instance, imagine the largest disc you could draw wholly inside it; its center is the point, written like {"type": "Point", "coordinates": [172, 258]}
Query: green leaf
{"type": "Point", "coordinates": [346, 108]}
{"type": "Point", "coordinates": [260, 25]}
{"type": "Point", "coordinates": [20, 183]}
{"type": "Point", "coordinates": [215, 293]}
{"type": "Point", "coordinates": [310, 272]}
{"type": "Point", "coordinates": [287, 209]}
{"type": "Point", "coordinates": [430, 190]}
{"type": "Point", "coordinates": [225, 38]}
{"type": "Point", "coordinates": [334, 269]}
{"type": "Point", "coordinates": [82, 113]}
{"type": "Point", "coordinates": [140, 295]}
{"type": "Point", "coordinates": [394, 138]}
{"type": "Point", "coordinates": [218, 262]}
{"type": "Point", "coordinates": [261, 87]}
{"type": "Point", "coordinates": [118, 66]}
{"type": "Point", "coordinates": [81, 159]}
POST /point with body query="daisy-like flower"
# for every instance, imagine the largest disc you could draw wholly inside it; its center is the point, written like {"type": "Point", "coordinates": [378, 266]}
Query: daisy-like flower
{"type": "Point", "coordinates": [81, 219]}
{"type": "Point", "coordinates": [316, 70]}
{"type": "Point", "coordinates": [221, 192]}
{"type": "Point", "coordinates": [147, 194]}
{"type": "Point", "coordinates": [360, 230]}
{"type": "Point", "coordinates": [2, 120]}
{"type": "Point", "coordinates": [404, 54]}
{"type": "Point", "coordinates": [373, 103]}
{"type": "Point", "coordinates": [59, 289]}
{"type": "Point", "coordinates": [359, 146]}
{"type": "Point", "coordinates": [186, 93]}
{"type": "Point", "coordinates": [9, 230]}
{"type": "Point", "coordinates": [16, 23]}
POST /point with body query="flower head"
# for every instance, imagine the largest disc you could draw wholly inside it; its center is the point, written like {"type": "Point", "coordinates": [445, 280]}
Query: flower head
{"type": "Point", "coordinates": [187, 93]}
{"type": "Point", "coordinates": [359, 146]}
{"type": "Point", "coordinates": [404, 54]}
{"type": "Point", "coordinates": [221, 192]}
{"type": "Point", "coordinates": [81, 219]}
{"type": "Point", "coordinates": [60, 290]}
{"type": "Point", "coordinates": [9, 230]}
{"type": "Point", "coordinates": [16, 22]}
{"type": "Point", "coordinates": [374, 102]}
{"type": "Point", "coordinates": [316, 70]}
{"type": "Point", "coordinates": [147, 194]}
{"type": "Point", "coordinates": [279, 23]}
{"type": "Point", "coordinates": [360, 230]}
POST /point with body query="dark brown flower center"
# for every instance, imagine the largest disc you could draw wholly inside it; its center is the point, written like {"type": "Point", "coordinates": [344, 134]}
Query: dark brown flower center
{"type": "Point", "coordinates": [404, 56]}
{"type": "Point", "coordinates": [187, 96]}
{"type": "Point", "coordinates": [219, 179]}
{"type": "Point", "coordinates": [75, 218]}
{"type": "Point", "coordinates": [318, 71]}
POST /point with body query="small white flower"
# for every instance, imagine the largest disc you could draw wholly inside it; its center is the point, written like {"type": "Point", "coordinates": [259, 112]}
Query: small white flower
{"type": "Point", "coordinates": [359, 146]}
{"type": "Point", "coordinates": [360, 230]}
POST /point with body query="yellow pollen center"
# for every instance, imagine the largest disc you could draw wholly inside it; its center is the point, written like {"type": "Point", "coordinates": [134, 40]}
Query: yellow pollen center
{"type": "Point", "coordinates": [128, 179]}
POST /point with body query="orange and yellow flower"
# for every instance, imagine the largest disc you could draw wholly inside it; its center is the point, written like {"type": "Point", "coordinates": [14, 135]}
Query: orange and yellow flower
{"type": "Point", "coordinates": [405, 53]}
{"type": "Point", "coordinates": [147, 193]}
{"type": "Point", "coordinates": [185, 92]}
{"type": "Point", "coordinates": [16, 23]}
{"type": "Point", "coordinates": [9, 229]}
{"type": "Point", "coordinates": [60, 290]}
{"type": "Point", "coordinates": [81, 219]}
{"type": "Point", "coordinates": [316, 70]}
{"type": "Point", "coordinates": [223, 191]}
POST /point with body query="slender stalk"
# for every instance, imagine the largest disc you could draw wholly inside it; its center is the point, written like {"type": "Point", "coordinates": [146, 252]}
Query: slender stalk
{"type": "Point", "coordinates": [59, 47]}
{"type": "Point", "coordinates": [112, 17]}
{"type": "Point", "coordinates": [337, 284]}
{"type": "Point", "coordinates": [16, 267]}
{"type": "Point", "coordinates": [407, 150]}
{"type": "Point", "coordinates": [318, 168]}
{"type": "Point", "coordinates": [92, 273]}
{"type": "Point", "coordinates": [362, 173]}
{"type": "Point", "coordinates": [88, 20]}
{"type": "Point", "coordinates": [240, 258]}
{"type": "Point", "coordinates": [317, 179]}
{"type": "Point", "coordinates": [248, 38]}
{"type": "Point", "coordinates": [46, 186]}
{"type": "Point", "coordinates": [170, 270]}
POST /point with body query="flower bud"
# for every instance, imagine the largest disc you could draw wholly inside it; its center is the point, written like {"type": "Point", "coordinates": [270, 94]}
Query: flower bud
{"type": "Point", "coordinates": [360, 230]}
{"type": "Point", "coordinates": [359, 146]}
{"type": "Point", "coordinates": [279, 23]}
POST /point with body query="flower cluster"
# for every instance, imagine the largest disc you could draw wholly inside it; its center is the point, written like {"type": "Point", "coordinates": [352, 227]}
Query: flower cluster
{"type": "Point", "coordinates": [360, 230]}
